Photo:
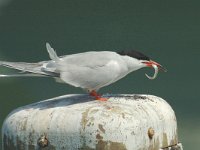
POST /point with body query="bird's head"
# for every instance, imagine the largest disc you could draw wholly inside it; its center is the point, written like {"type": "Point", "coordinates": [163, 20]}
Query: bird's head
{"type": "Point", "coordinates": [139, 60]}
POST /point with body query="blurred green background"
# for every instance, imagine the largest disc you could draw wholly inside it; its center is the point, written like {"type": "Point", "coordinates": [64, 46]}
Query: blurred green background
{"type": "Point", "coordinates": [167, 31]}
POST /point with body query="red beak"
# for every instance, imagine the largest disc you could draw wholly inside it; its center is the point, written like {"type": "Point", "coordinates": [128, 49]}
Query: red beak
{"type": "Point", "coordinates": [151, 62]}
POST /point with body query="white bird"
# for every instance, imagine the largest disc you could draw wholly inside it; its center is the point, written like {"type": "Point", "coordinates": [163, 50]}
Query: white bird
{"type": "Point", "coordinates": [89, 70]}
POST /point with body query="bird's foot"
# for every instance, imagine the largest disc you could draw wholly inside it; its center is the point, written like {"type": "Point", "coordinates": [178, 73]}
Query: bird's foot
{"type": "Point", "coordinates": [97, 96]}
{"type": "Point", "coordinates": [101, 98]}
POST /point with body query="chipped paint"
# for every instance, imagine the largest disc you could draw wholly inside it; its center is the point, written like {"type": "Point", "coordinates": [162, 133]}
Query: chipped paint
{"type": "Point", "coordinates": [76, 122]}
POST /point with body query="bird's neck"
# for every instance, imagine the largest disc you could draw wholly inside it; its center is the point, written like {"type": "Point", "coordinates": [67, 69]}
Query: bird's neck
{"type": "Point", "coordinates": [132, 63]}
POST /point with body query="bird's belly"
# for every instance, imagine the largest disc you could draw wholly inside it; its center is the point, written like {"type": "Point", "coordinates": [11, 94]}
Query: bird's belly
{"type": "Point", "coordinates": [92, 78]}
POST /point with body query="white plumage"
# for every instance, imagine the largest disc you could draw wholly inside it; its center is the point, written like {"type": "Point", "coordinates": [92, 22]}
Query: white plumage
{"type": "Point", "coordinates": [89, 70]}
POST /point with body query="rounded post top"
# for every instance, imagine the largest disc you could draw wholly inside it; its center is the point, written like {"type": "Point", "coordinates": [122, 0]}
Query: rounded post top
{"type": "Point", "coordinates": [130, 122]}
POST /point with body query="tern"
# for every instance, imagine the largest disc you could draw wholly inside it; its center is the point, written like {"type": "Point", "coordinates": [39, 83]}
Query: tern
{"type": "Point", "coordinates": [88, 70]}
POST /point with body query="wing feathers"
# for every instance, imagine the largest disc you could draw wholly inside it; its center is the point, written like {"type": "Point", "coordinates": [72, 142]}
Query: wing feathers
{"type": "Point", "coordinates": [52, 52]}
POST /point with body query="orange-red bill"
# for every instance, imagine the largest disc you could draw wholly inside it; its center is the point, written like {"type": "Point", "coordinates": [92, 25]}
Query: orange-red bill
{"type": "Point", "coordinates": [156, 67]}
{"type": "Point", "coordinates": [151, 63]}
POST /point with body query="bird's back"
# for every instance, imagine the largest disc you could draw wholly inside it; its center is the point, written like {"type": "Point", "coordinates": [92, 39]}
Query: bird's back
{"type": "Point", "coordinates": [90, 59]}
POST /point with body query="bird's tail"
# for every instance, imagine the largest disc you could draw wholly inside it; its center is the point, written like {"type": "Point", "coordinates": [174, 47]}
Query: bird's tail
{"type": "Point", "coordinates": [32, 69]}
{"type": "Point", "coordinates": [26, 69]}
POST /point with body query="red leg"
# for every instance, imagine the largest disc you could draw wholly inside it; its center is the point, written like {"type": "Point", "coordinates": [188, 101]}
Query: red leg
{"type": "Point", "coordinates": [97, 96]}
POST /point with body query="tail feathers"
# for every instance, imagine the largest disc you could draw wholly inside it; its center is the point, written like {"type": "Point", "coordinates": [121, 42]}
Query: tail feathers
{"type": "Point", "coordinates": [21, 75]}
{"type": "Point", "coordinates": [24, 67]}
{"type": "Point", "coordinates": [52, 52]}
{"type": "Point", "coordinates": [27, 69]}
{"type": "Point", "coordinates": [32, 69]}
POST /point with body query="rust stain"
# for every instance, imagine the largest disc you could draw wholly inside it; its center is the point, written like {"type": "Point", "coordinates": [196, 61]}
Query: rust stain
{"type": "Point", "coordinates": [116, 145]}
{"type": "Point", "coordinates": [175, 140]}
{"type": "Point", "coordinates": [101, 128]}
{"type": "Point", "coordinates": [164, 141]}
{"type": "Point", "coordinates": [154, 145]}
{"type": "Point", "coordinates": [99, 137]}
{"type": "Point", "coordinates": [109, 145]}
{"type": "Point", "coordinates": [151, 132]}
{"type": "Point", "coordinates": [101, 145]}
{"type": "Point", "coordinates": [84, 119]}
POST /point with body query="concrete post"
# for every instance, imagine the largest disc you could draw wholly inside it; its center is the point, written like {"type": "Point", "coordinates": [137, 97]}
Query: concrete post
{"type": "Point", "coordinates": [77, 122]}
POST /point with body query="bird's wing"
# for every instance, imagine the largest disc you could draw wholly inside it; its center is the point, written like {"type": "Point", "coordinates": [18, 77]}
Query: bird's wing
{"type": "Point", "coordinates": [52, 52]}
{"type": "Point", "coordinates": [91, 59]}
{"type": "Point", "coordinates": [90, 70]}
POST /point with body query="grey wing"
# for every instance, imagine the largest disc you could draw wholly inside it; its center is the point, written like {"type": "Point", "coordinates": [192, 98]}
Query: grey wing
{"type": "Point", "coordinates": [89, 59]}
{"type": "Point", "coordinates": [90, 70]}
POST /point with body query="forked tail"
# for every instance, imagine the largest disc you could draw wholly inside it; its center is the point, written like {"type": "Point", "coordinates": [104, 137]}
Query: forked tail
{"type": "Point", "coordinates": [32, 69]}
{"type": "Point", "coordinates": [26, 69]}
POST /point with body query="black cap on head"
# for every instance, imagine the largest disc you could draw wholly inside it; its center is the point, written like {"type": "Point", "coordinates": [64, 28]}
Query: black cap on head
{"type": "Point", "coordinates": [134, 54]}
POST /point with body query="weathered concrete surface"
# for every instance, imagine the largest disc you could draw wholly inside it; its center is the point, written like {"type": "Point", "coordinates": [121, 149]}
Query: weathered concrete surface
{"type": "Point", "coordinates": [77, 122]}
